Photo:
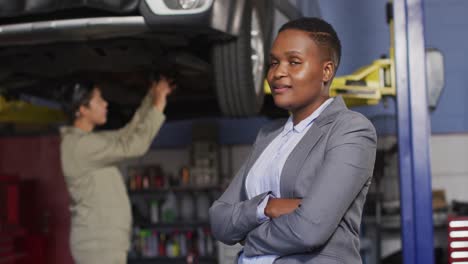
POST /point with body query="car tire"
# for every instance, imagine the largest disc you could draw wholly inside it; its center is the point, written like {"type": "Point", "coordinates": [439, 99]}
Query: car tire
{"type": "Point", "coordinates": [239, 90]}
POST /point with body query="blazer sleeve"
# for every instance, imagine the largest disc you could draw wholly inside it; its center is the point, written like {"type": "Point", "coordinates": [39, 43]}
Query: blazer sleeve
{"type": "Point", "coordinates": [232, 217]}
{"type": "Point", "coordinates": [347, 167]}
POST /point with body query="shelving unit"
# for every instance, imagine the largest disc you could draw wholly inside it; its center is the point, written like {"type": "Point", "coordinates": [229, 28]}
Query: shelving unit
{"type": "Point", "coordinates": [183, 233]}
{"type": "Point", "coordinates": [179, 231]}
{"type": "Point", "coordinates": [170, 201]}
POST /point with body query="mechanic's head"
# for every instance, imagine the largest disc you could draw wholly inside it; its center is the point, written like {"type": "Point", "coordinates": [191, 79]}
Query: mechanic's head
{"type": "Point", "coordinates": [85, 103]}
{"type": "Point", "coordinates": [304, 58]}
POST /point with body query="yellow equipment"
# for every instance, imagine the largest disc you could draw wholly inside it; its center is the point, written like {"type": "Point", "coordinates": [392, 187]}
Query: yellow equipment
{"type": "Point", "coordinates": [20, 112]}
{"type": "Point", "coordinates": [369, 84]}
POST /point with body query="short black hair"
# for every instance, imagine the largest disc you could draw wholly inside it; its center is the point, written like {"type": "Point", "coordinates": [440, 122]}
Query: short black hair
{"type": "Point", "coordinates": [321, 32]}
{"type": "Point", "coordinates": [76, 94]}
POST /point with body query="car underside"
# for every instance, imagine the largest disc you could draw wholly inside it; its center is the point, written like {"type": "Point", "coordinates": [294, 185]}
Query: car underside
{"type": "Point", "coordinates": [217, 56]}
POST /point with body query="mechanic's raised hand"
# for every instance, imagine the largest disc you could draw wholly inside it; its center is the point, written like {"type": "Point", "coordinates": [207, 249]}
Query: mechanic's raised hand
{"type": "Point", "coordinates": [160, 90]}
{"type": "Point", "coordinates": [277, 207]}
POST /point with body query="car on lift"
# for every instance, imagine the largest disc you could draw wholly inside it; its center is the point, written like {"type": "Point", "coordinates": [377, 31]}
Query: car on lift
{"type": "Point", "coordinates": [216, 49]}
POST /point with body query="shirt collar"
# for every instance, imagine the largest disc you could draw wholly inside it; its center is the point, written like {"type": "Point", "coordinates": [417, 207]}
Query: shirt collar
{"type": "Point", "coordinates": [299, 128]}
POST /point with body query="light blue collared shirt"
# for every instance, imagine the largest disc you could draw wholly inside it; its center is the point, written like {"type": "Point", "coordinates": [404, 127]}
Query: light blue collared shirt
{"type": "Point", "coordinates": [264, 176]}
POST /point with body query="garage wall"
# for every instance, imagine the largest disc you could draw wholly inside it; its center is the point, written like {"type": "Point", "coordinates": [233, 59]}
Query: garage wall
{"type": "Point", "coordinates": [445, 25]}
{"type": "Point", "coordinates": [449, 167]}
{"type": "Point", "coordinates": [362, 28]}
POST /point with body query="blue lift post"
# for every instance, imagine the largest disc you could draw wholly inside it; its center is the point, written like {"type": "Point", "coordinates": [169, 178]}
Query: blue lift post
{"type": "Point", "coordinates": [413, 133]}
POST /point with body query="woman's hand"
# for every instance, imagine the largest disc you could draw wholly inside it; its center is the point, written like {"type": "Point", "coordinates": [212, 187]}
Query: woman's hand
{"type": "Point", "coordinates": [160, 90]}
{"type": "Point", "coordinates": [277, 207]}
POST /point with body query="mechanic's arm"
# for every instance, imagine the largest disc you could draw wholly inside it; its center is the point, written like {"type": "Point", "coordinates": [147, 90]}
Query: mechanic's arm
{"type": "Point", "coordinates": [146, 104]}
{"type": "Point", "coordinates": [102, 149]}
{"type": "Point", "coordinates": [142, 110]}
{"type": "Point", "coordinates": [346, 168]}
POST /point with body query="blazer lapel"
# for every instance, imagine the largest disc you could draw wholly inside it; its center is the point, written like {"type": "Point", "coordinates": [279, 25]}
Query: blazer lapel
{"type": "Point", "coordinates": [296, 159]}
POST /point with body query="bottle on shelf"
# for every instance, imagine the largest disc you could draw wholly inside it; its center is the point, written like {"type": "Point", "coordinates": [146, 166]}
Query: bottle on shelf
{"type": "Point", "coordinates": [182, 238]}
{"type": "Point", "coordinates": [187, 207]}
{"type": "Point", "coordinates": [210, 243]}
{"type": "Point", "coordinates": [138, 181]}
{"type": "Point", "coordinates": [154, 211]}
{"type": "Point", "coordinates": [201, 242]}
{"type": "Point", "coordinates": [152, 241]}
{"type": "Point", "coordinates": [185, 176]}
{"type": "Point", "coordinates": [169, 208]}
{"type": "Point", "coordinates": [159, 177]}
{"type": "Point", "coordinates": [162, 245]}
{"type": "Point", "coordinates": [144, 234]}
{"type": "Point", "coordinates": [146, 182]}
{"type": "Point", "coordinates": [202, 205]}
{"type": "Point", "coordinates": [131, 183]}
{"type": "Point", "coordinates": [173, 246]}
{"type": "Point", "coordinates": [192, 251]}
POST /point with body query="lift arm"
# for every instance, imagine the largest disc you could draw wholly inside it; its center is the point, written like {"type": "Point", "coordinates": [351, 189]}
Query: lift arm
{"type": "Point", "coordinates": [21, 112]}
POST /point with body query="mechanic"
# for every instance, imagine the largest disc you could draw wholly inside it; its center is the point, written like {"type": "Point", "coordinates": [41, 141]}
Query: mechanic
{"type": "Point", "coordinates": [100, 208]}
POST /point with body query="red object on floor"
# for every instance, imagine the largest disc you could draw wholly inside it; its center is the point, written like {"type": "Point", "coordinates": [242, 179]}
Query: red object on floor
{"type": "Point", "coordinates": [10, 231]}
{"type": "Point", "coordinates": [9, 199]}
{"type": "Point", "coordinates": [43, 197]}
{"type": "Point", "coordinates": [458, 239]}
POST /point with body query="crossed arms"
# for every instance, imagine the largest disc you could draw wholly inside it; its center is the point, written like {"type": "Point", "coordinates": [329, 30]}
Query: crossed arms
{"type": "Point", "coordinates": [347, 166]}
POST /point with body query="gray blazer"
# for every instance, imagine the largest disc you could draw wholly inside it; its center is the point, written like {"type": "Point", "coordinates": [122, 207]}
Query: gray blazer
{"type": "Point", "coordinates": [330, 169]}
